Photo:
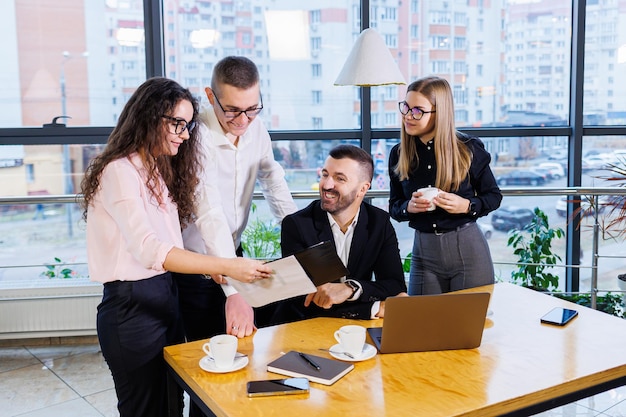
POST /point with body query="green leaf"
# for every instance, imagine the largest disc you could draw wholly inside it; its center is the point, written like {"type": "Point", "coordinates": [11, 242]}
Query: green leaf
{"type": "Point", "coordinates": [534, 253]}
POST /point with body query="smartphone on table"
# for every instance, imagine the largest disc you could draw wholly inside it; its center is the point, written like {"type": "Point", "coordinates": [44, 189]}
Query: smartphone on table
{"type": "Point", "coordinates": [559, 316]}
{"type": "Point", "coordinates": [286, 386]}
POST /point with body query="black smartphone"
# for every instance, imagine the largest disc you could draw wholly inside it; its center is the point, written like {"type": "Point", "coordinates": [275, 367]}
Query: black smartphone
{"type": "Point", "coordinates": [559, 316]}
{"type": "Point", "coordinates": [278, 387]}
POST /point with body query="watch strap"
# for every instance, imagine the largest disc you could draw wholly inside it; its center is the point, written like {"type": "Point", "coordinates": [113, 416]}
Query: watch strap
{"type": "Point", "coordinates": [357, 290]}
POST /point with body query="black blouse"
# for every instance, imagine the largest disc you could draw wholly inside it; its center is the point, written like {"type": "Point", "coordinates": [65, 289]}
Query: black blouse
{"type": "Point", "coordinates": [479, 187]}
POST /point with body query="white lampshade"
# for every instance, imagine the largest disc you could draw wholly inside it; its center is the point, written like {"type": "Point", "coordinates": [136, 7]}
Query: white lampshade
{"type": "Point", "coordinates": [370, 63]}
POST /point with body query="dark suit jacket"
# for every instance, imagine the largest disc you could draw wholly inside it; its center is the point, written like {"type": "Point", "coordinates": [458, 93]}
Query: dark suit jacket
{"type": "Point", "coordinates": [374, 253]}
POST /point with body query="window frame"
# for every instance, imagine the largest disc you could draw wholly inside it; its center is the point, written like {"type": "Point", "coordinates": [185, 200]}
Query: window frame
{"type": "Point", "coordinates": [575, 131]}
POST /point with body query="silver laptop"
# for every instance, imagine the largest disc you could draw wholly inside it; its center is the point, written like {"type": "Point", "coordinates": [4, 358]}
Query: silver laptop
{"type": "Point", "coordinates": [423, 323]}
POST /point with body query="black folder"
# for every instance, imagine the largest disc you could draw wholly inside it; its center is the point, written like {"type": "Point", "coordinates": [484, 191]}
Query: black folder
{"type": "Point", "coordinates": [321, 263]}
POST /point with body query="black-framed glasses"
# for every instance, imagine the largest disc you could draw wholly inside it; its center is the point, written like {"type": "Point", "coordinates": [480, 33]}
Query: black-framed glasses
{"type": "Point", "coordinates": [180, 124]}
{"type": "Point", "coordinates": [233, 114]}
{"type": "Point", "coordinates": [416, 112]}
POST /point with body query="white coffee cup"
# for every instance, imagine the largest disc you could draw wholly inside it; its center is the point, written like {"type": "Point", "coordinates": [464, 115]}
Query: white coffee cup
{"type": "Point", "coordinates": [429, 193]}
{"type": "Point", "coordinates": [222, 348]}
{"type": "Point", "coordinates": [351, 338]}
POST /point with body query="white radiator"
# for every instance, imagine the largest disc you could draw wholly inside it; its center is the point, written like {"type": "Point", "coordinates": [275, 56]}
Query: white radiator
{"type": "Point", "coordinates": [49, 312]}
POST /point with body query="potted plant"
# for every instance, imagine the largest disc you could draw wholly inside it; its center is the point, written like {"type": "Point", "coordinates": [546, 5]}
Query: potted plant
{"type": "Point", "coordinates": [613, 221]}
{"type": "Point", "coordinates": [533, 247]}
{"type": "Point", "coordinates": [608, 302]}
{"type": "Point", "coordinates": [613, 227]}
{"type": "Point", "coordinates": [59, 269]}
{"type": "Point", "coordinates": [535, 258]}
{"type": "Point", "coordinates": [261, 239]}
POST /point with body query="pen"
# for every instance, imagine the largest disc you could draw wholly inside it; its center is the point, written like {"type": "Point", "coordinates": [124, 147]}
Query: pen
{"type": "Point", "coordinates": [309, 361]}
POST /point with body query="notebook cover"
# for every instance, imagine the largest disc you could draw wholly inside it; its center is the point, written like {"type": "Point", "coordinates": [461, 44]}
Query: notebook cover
{"type": "Point", "coordinates": [291, 364]}
{"type": "Point", "coordinates": [321, 263]}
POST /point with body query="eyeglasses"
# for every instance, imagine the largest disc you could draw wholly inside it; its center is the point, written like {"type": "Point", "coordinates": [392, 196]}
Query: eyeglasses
{"type": "Point", "coordinates": [233, 114]}
{"type": "Point", "coordinates": [180, 124]}
{"type": "Point", "coordinates": [416, 112]}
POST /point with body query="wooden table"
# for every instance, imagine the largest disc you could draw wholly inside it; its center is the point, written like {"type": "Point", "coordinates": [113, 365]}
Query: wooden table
{"type": "Point", "coordinates": [522, 367]}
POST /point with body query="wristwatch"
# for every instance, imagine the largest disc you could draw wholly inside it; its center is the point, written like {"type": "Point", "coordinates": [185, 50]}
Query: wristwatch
{"type": "Point", "coordinates": [472, 208]}
{"type": "Point", "coordinates": [356, 288]}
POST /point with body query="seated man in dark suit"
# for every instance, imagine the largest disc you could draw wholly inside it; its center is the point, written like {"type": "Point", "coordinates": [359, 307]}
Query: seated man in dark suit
{"type": "Point", "coordinates": [362, 234]}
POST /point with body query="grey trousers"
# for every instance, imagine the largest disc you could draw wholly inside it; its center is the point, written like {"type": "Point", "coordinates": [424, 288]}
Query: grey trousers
{"type": "Point", "coordinates": [450, 261]}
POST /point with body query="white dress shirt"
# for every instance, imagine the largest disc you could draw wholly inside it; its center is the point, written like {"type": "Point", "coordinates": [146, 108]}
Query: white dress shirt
{"type": "Point", "coordinates": [227, 185]}
{"type": "Point", "coordinates": [343, 243]}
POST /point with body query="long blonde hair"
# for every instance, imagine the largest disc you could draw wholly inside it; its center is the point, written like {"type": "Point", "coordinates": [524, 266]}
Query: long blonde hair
{"type": "Point", "coordinates": [452, 156]}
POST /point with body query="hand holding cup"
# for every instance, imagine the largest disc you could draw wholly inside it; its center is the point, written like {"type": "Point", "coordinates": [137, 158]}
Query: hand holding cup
{"type": "Point", "coordinates": [429, 193]}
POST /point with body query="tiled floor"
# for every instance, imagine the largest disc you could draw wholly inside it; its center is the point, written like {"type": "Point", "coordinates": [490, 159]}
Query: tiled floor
{"type": "Point", "coordinates": [72, 380]}
{"type": "Point", "coordinates": [56, 380]}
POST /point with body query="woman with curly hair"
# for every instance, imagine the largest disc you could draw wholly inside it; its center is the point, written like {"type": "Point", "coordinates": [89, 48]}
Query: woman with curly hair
{"type": "Point", "coordinates": [137, 195]}
{"type": "Point", "coordinates": [449, 251]}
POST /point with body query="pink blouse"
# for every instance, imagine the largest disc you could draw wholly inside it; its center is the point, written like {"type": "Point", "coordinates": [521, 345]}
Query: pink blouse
{"type": "Point", "coordinates": [128, 233]}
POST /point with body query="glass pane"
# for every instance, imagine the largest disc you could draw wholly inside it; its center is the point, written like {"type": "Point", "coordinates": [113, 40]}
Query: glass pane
{"type": "Point", "coordinates": [599, 154]}
{"type": "Point", "coordinates": [303, 160]}
{"type": "Point", "coordinates": [507, 61]}
{"type": "Point", "coordinates": [80, 59]}
{"type": "Point", "coordinates": [43, 242]}
{"type": "Point", "coordinates": [604, 161]}
{"type": "Point", "coordinates": [43, 245]}
{"type": "Point", "coordinates": [605, 62]}
{"type": "Point", "coordinates": [33, 170]}
{"type": "Point", "coordinates": [515, 213]}
{"type": "Point", "coordinates": [299, 50]}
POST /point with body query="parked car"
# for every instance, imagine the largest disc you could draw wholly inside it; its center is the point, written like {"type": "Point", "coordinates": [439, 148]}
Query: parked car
{"type": "Point", "coordinates": [511, 217]}
{"type": "Point", "coordinates": [556, 170]}
{"type": "Point", "coordinates": [619, 154]}
{"type": "Point", "coordinates": [595, 162]}
{"type": "Point", "coordinates": [544, 172]}
{"type": "Point", "coordinates": [558, 155]}
{"type": "Point", "coordinates": [521, 177]}
{"type": "Point", "coordinates": [587, 209]}
{"type": "Point", "coordinates": [486, 228]}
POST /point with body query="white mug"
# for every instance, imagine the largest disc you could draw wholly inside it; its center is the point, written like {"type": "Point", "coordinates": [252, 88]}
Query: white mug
{"type": "Point", "coordinates": [429, 193]}
{"type": "Point", "coordinates": [351, 338]}
{"type": "Point", "coordinates": [222, 348]}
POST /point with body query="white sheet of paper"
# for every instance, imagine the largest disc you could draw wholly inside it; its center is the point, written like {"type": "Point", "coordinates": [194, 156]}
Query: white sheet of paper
{"type": "Point", "coordinates": [288, 280]}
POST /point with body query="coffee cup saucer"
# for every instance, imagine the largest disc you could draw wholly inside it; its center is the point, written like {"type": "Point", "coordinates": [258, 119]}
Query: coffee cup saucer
{"type": "Point", "coordinates": [208, 364]}
{"type": "Point", "coordinates": [368, 352]}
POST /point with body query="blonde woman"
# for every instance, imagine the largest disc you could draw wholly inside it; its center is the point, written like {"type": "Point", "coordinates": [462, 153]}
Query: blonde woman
{"type": "Point", "coordinates": [449, 251]}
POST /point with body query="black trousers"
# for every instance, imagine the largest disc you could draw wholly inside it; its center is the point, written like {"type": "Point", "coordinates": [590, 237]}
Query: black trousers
{"type": "Point", "coordinates": [135, 321]}
{"type": "Point", "coordinates": [202, 306]}
{"type": "Point", "coordinates": [202, 309]}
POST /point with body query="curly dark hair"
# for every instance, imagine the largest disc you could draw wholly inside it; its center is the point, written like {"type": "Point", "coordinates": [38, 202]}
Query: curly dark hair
{"type": "Point", "coordinates": [141, 129]}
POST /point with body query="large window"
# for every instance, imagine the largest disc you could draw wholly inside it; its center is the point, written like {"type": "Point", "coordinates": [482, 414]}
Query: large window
{"type": "Point", "coordinates": [512, 83]}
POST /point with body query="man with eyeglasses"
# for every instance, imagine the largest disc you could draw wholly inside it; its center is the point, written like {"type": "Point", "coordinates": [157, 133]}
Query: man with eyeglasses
{"type": "Point", "coordinates": [238, 153]}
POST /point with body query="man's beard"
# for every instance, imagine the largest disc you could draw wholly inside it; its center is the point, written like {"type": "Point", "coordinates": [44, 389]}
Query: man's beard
{"type": "Point", "coordinates": [338, 204]}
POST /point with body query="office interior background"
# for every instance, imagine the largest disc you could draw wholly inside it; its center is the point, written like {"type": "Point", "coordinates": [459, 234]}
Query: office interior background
{"type": "Point", "coordinates": [540, 81]}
